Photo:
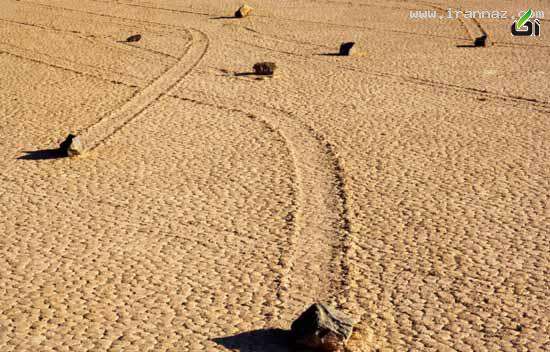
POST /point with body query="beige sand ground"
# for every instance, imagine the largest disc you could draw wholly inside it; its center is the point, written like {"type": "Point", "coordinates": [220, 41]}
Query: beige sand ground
{"type": "Point", "coordinates": [410, 187]}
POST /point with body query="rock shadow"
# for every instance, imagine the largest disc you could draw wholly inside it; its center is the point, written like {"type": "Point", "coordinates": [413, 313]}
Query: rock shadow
{"type": "Point", "coordinates": [253, 75]}
{"type": "Point", "coordinates": [331, 54]}
{"type": "Point", "coordinates": [224, 18]}
{"type": "Point", "coordinates": [262, 340]}
{"type": "Point", "coordinates": [239, 74]}
{"type": "Point", "coordinates": [43, 154]}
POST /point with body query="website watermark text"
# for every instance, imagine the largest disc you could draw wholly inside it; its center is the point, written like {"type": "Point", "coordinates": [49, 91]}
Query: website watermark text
{"type": "Point", "coordinates": [453, 14]}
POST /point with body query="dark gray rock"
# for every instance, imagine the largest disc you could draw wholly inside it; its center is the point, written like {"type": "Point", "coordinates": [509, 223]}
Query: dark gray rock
{"type": "Point", "coordinates": [264, 68]}
{"type": "Point", "coordinates": [481, 41]}
{"type": "Point", "coordinates": [322, 328]}
{"type": "Point", "coordinates": [72, 146]}
{"type": "Point", "coordinates": [346, 48]}
{"type": "Point", "coordinates": [133, 38]}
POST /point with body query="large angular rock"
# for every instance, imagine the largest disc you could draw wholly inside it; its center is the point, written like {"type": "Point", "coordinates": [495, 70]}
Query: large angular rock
{"type": "Point", "coordinates": [322, 328]}
{"type": "Point", "coordinates": [243, 11]}
{"type": "Point", "coordinates": [264, 68]}
{"type": "Point", "coordinates": [72, 146]}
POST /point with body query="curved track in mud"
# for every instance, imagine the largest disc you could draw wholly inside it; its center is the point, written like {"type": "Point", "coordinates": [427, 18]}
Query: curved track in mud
{"type": "Point", "coordinates": [313, 262]}
{"type": "Point", "coordinates": [106, 127]}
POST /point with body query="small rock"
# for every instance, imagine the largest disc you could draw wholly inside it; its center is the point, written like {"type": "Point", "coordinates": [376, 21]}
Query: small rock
{"type": "Point", "coordinates": [346, 48]}
{"type": "Point", "coordinates": [134, 38]}
{"type": "Point", "coordinates": [264, 68]}
{"type": "Point", "coordinates": [481, 41]}
{"type": "Point", "coordinates": [323, 328]}
{"type": "Point", "coordinates": [243, 11]}
{"type": "Point", "coordinates": [72, 146]}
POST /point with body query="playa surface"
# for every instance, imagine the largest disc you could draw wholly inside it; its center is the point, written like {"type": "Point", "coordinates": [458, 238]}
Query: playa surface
{"type": "Point", "coordinates": [409, 186]}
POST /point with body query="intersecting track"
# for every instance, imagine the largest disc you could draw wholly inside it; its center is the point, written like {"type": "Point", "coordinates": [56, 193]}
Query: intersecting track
{"type": "Point", "coordinates": [472, 27]}
{"type": "Point", "coordinates": [314, 261]}
{"type": "Point", "coordinates": [97, 133]}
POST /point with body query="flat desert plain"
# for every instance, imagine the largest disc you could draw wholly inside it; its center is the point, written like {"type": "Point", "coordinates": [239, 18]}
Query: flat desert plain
{"type": "Point", "coordinates": [408, 186]}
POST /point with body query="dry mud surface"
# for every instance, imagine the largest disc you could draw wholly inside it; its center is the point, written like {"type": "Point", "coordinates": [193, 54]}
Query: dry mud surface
{"type": "Point", "coordinates": [409, 187]}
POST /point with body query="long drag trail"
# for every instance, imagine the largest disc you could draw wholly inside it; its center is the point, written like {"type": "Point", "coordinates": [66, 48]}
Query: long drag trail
{"type": "Point", "coordinates": [313, 260]}
{"type": "Point", "coordinates": [107, 126]}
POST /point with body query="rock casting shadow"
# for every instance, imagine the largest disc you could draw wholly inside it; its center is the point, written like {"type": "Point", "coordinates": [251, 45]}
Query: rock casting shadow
{"type": "Point", "coordinates": [262, 340]}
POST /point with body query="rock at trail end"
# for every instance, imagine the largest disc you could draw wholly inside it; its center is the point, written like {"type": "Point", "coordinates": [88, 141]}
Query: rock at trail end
{"type": "Point", "coordinates": [72, 146]}
{"type": "Point", "coordinates": [350, 49]}
{"type": "Point", "coordinates": [481, 41]}
{"type": "Point", "coordinates": [264, 68]}
{"type": "Point", "coordinates": [133, 38]}
{"type": "Point", "coordinates": [322, 328]}
{"type": "Point", "coordinates": [243, 11]}
{"type": "Point", "coordinates": [346, 48]}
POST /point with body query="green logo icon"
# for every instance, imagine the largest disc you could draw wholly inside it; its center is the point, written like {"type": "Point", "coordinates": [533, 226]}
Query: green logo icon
{"type": "Point", "coordinates": [524, 18]}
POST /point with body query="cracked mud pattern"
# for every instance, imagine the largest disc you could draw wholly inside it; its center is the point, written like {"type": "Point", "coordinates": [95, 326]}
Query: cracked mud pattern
{"type": "Point", "coordinates": [409, 187]}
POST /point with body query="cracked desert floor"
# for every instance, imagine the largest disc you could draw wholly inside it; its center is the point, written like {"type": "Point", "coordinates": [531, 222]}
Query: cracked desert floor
{"type": "Point", "coordinates": [408, 186]}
